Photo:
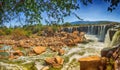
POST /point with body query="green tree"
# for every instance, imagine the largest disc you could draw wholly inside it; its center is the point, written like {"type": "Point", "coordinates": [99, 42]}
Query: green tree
{"type": "Point", "coordinates": [67, 24]}
{"type": "Point", "coordinates": [33, 9]}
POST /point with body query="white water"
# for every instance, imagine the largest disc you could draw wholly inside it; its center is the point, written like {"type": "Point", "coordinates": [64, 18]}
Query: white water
{"type": "Point", "coordinates": [89, 49]}
{"type": "Point", "coordinates": [82, 50]}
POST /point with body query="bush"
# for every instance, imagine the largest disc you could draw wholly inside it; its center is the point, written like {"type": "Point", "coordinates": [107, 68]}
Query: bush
{"type": "Point", "coordinates": [2, 33]}
{"type": "Point", "coordinates": [19, 33]}
{"type": "Point", "coordinates": [8, 31]}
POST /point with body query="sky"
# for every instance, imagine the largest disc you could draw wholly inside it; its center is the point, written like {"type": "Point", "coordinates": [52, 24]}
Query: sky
{"type": "Point", "coordinates": [97, 11]}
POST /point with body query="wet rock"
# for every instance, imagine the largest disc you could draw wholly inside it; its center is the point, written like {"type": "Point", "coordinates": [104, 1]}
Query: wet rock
{"type": "Point", "coordinates": [39, 49]}
{"type": "Point", "coordinates": [110, 51]}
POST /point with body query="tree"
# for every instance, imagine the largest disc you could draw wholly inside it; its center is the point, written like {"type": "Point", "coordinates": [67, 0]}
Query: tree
{"type": "Point", "coordinates": [32, 9]}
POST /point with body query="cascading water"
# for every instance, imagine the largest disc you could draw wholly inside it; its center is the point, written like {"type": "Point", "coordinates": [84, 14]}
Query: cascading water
{"type": "Point", "coordinates": [98, 30]}
{"type": "Point", "coordinates": [107, 39]}
{"type": "Point", "coordinates": [82, 50]}
{"type": "Point", "coordinates": [102, 33]}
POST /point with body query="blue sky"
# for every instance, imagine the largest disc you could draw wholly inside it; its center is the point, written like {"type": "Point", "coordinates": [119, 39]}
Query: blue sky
{"type": "Point", "coordinates": [93, 12]}
{"type": "Point", "coordinates": [96, 12]}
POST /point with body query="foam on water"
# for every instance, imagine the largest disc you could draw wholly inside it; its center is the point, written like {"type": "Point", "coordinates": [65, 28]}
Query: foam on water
{"type": "Point", "coordinates": [89, 49]}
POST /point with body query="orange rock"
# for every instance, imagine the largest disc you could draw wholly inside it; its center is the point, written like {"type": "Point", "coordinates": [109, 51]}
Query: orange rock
{"type": "Point", "coordinates": [50, 60]}
{"type": "Point", "coordinates": [53, 49]}
{"type": "Point", "coordinates": [90, 63]}
{"type": "Point", "coordinates": [21, 43]}
{"type": "Point", "coordinates": [56, 62]}
{"type": "Point", "coordinates": [39, 50]}
{"type": "Point", "coordinates": [82, 33]}
{"type": "Point", "coordinates": [76, 32]}
{"type": "Point", "coordinates": [59, 60]}
{"type": "Point", "coordinates": [17, 53]}
{"type": "Point", "coordinates": [61, 51]}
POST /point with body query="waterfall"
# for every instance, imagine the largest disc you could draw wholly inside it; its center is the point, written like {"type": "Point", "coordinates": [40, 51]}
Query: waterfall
{"type": "Point", "coordinates": [102, 33]}
{"type": "Point", "coordinates": [92, 29]}
{"type": "Point", "coordinates": [98, 30]}
{"type": "Point", "coordinates": [107, 39]}
{"type": "Point", "coordinates": [70, 30]}
{"type": "Point", "coordinates": [88, 31]}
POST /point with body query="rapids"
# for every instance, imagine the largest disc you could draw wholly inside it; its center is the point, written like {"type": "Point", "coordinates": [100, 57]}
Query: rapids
{"type": "Point", "coordinates": [93, 47]}
{"type": "Point", "coordinates": [82, 50]}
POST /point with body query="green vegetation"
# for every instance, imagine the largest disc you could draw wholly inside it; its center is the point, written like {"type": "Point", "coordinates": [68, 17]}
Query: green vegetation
{"type": "Point", "coordinates": [74, 63]}
{"type": "Point", "coordinates": [19, 33]}
{"type": "Point", "coordinates": [32, 9]}
{"type": "Point", "coordinates": [66, 24]}
{"type": "Point", "coordinates": [116, 39]}
{"type": "Point", "coordinates": [52, 68]}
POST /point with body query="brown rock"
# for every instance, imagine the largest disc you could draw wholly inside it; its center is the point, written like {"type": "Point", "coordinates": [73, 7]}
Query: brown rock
{"type": "Point", "coordinates": [76, 32]}
{"type": "Point", "coordinates": [56, 62]}
{"type": "Point", "coordinates": [17, 53]}
{"type": "Point", "coordinates": [61, 51]}
{"type": "Point", "coordinates": [50, 60]}
{"type": "Point", "coordinates": [21, 43]}
{"type": "Point", "coordinates": [90, 63]}
{"type": "Point", "coordinates": [39, 50]}
{"type": "Point", "coordinates": [76, 40]}
{"type": "Point", "coordinates": [82, 33]}
{"type": "Point", "coordinates": [59, 60]}
{"type": "Point", "coordinates": [53, 49]}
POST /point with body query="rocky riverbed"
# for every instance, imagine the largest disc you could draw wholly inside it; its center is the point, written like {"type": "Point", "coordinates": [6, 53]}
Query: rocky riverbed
{"type": "Point", "coordinates": [67, 61]}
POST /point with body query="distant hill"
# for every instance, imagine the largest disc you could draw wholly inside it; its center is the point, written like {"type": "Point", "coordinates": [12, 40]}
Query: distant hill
{"type": "Point", "coordinates": [91, 22]}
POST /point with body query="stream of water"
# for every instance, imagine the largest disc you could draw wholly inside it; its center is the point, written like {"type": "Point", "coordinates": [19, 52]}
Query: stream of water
{"type": "Point", "coordinates": [81, 50]}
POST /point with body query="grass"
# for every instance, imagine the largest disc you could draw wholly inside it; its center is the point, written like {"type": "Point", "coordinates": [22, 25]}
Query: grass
{"type": "Point", "coordinates": [51, 68]}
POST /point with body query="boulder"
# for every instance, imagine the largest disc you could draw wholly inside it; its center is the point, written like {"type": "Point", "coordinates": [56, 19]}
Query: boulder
{"type": "Point", "coordinates": [59, 60]}
{"type": "Point", "coordinates": [56, 62]}
{"type": "Point", "coordinates": [17, 53]}
{"type": "Point", "coordinates": [50, 60]}
{"type": "Point", "coordinates": [82, 33]}
{"type": "Point", "coordinates": [39, 49]}
{"type": "Point", "coordinates": [76, 40]}
{"type": "Point", "coordinates": [76, 33]}
{"type": "Point", "coordinates": [54, 49]}
{"type": "Point", "coordinates": [90, 63]}
{"type": "Point", "coordinates": [61, 51]}
{"type": "Point", "coordinates": [21, 43]}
